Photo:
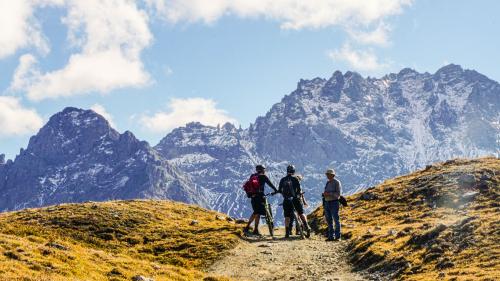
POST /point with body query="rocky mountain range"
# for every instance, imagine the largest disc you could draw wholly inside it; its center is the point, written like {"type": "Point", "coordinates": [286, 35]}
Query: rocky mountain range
{"type": "Point", "coordinates": [78, 157]}
{"type": "Point", "coordinates": [368, 129]}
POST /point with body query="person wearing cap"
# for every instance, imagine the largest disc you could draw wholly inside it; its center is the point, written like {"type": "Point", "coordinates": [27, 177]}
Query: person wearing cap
{"type": "Point", "coordinates": [331, 205]}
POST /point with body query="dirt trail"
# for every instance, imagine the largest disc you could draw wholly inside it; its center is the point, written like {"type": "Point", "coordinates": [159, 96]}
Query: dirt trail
{"type": "Point", "coordinates": [292, 259]}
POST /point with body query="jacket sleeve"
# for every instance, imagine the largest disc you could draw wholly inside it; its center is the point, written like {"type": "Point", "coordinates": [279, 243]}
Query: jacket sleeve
{"type": "Point", "coordinates": [338, 190]}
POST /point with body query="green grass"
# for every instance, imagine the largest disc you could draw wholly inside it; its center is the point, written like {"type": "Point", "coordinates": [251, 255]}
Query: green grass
{"type": "Point", "coordinates": [113, 241]}
{"type": "Point", "coordinates": [420, 227]}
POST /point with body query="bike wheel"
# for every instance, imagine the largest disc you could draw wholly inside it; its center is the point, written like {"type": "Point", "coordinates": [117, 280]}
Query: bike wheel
{"type": "Point", "coordinates": [270, 224]}
{"type": "Point", "coordinates": [300, 226]}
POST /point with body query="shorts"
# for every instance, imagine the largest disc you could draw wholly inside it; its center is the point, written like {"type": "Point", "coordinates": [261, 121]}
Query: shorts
{"type": "Point", "coordinates": [288, 206]}
{"type": "Point", "coordinates": [258, 205]}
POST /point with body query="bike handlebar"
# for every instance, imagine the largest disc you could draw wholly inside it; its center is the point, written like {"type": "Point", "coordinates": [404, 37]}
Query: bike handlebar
{"type": "Point", "coordinates": [270, 194]}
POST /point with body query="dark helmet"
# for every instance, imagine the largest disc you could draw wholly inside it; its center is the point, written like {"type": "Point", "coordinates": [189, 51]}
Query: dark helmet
{"type": "Point", "coordinates": [260, 168]}
{"type": "Point", "coordinates": [290, 169]}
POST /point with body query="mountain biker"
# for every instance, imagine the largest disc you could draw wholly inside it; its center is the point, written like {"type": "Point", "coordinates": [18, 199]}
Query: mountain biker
{"type": "Point", "coordinates": [290, 188]}
{"type": "Point", "coordinates": [303, 198]}
{"type": "Point", "coordinates": [257, 199]}
{"type": "Point", "coordinates": [331, 204]}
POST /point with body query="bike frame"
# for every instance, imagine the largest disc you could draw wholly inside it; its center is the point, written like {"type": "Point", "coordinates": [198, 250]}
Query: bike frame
{"type": "Point", "coordinates": [298, 221]}
{"type": "Point", "coordinates": [269, 215]}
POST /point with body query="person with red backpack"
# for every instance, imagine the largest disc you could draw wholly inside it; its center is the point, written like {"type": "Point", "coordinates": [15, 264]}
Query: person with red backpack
{"type": "Point", "coordinates": [254, 188]}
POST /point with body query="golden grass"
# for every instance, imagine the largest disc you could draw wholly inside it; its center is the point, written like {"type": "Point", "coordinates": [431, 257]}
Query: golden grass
{"type": "Point", "coordinates": [113, 241]}
{"type": "Point", "coordinates": [420, 227]}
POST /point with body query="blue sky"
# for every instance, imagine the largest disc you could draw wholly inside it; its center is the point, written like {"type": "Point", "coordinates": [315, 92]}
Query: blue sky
{"type": "Point", "coordinates": [152, 65]}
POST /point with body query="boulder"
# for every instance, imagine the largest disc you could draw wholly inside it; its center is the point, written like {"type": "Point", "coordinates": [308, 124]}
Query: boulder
{"type": "Point", "coordinates": [367, 196]}
{"type": "Point", "coordinates": [57, 246]}
{"type": "Point", "coordinates": [241, 221]}
{"type": "Point", "coordinates": [141, 278]}
{"type": "Point", "coordinates": [466, 181]}
{"type": "Point", "coordinates": [420, 240]}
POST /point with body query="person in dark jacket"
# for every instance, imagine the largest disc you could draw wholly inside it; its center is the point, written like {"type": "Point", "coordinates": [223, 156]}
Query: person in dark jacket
{"type": "Point", "coordinates": [291, 190]}
{"type": "Point", "coordinates": [257, 199]}
{"type": "Point", "coordinates": [304, 202]}
{"type": "Point", "coordinates": [331, 204]}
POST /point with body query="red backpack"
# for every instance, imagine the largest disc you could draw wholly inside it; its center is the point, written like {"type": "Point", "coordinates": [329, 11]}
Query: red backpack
{"type": "Point", "coordinates": [252, 185]}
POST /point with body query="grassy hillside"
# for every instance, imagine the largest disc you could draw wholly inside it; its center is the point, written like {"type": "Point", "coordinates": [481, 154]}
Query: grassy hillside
{"type": "Point", "coordinates": [442, 222]}
{"type": "Point", "coordinates": [113, 241]}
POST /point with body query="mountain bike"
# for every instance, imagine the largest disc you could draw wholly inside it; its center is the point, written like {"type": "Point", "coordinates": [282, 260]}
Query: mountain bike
{"type": "Point", "coordinates": [297, 226]}
{"type": "Point", "coordinates": [300, 228]}
{"type": "Point", "coordinates": [269, 214]}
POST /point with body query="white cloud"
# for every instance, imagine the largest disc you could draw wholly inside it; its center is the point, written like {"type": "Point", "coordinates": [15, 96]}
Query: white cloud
{"type": "Point", "coordinates": [292, 14]}
{"type": "Point", "coordinates": [18, 28]}
{"type": "Point", "coordinates": [362, 60]}
{"type": "Point", "coordinates": [107, 37]}
{"type": "Point", "coordinates": [110, 35]}
{"type": "Point", "coordinates": [363, 21]}
{"type": "Point", "coordinates": [17, 120]}
{"type": "Point", "coordinates": [104, 113]}
{"type": "Point", "coordinates": [378, 36]}
{"type": "Point", "coordinates": [183, 111]}
{"type": "Point", "coordinates": [24, 73]}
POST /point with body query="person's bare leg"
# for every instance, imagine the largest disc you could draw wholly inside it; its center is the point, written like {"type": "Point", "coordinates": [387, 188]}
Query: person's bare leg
{"type": "Point", "coordinates": [304, 220]}
{"type": "Point", "coordinates": [257, 220]}
{"type": "Point", "coordinates": [252, 218]}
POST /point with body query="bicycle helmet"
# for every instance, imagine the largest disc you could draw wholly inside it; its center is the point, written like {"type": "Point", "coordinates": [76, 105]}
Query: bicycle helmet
{"type": "Point", "coordinates": [290, 169]}
{"type": "Point", "coordinates": [260, 168]}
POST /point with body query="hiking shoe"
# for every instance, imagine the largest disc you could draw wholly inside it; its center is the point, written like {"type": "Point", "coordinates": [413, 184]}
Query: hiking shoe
{"type": "Point", "coordinates": [256, 233]}
{"type": "Point", "coordinates": [308, 232]}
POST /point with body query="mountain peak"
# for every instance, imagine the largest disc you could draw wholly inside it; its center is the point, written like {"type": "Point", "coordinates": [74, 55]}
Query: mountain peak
{"type": "Point", "coordinates": [306, 83]}
{"type": "Point", "coordinates": [449, 69]}
{"type": "Point", "coordinates": [228, 127]}
{"type": "Point", "coordinates": [77, 117]}
{"type": "Point", "coordinates": [353, 75]}
{"type": "Point", "coordinates": [72, 130]}
{"type": "Point", "coordinates": [336, 75]}
{"type": "Point", "coordinates": [70, 109]}
{"type": "Point", "coordinates": [195, 125]}
{"type": "Point", "coordinates": [407, 71]}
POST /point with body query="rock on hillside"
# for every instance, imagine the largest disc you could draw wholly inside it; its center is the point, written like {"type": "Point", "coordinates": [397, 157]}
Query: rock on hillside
{"type": "Point", "coordinates": [77, 157]}
{"type": "Point", "coordinates": [438, 223]}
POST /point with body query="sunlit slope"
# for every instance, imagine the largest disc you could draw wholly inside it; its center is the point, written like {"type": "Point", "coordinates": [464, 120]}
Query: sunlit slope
{"type": "Point", "coordinates": [113, 241]}
{"type": "Point", "coordinates": [442, 222]}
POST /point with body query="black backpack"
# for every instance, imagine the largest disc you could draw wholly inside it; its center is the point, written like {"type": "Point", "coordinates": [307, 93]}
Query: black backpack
{"type": "Point", "coordinates": [288, 188]}
{"type": "Point", "coordinates": [343, 201]}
